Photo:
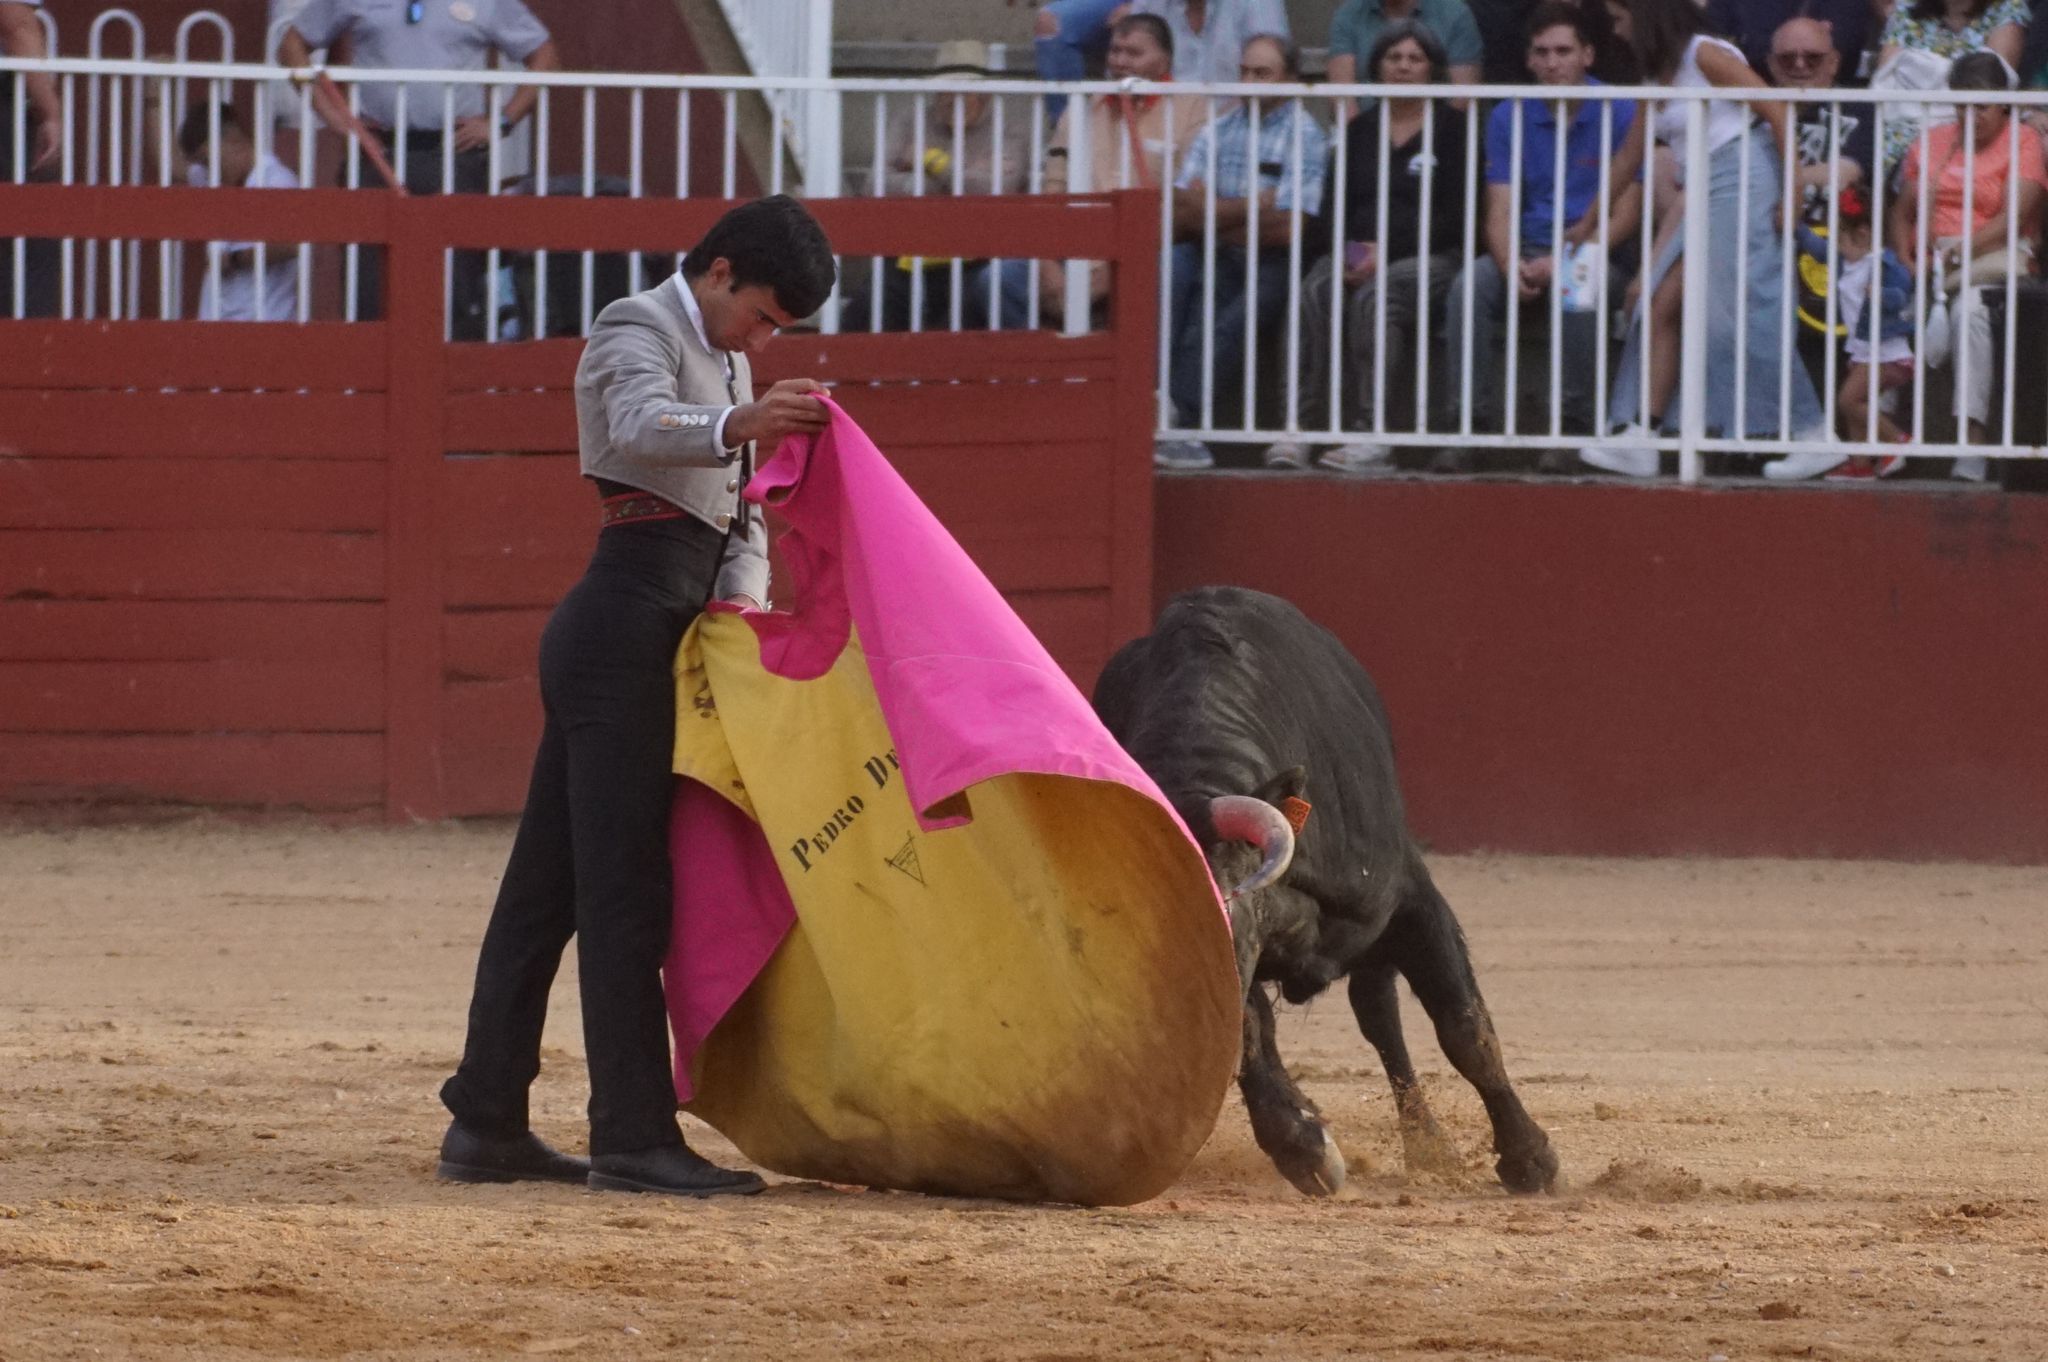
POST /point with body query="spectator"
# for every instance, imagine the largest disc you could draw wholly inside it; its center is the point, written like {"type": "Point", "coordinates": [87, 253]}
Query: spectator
{"type": "Point", "coordinates": [1356, 27]}
{"type": "Point", "coordinates": [232, 291]}
{"type": "Point", "coordinates": [1801, 57]}
{"type": "Point", "coordinates": [1405, 53]}
{"type": "Point", "coordinates": [1130, 143]}
{"type": "Point", "coordinates": [921, 161]}
{"type": "Point", "coordinates": [1264, 174]}
{"type": "Point", "coordinates": [1870, 276]}
{"type": "Point", "coordinates": [1921, 39]}
{"type": "Point", "coordinates": [1209, 36]}
{"type": "Point", "coordinates": [1560, 55]}
{"type": "Point", "coordinates": [1670, 41]}
{"type": "Point", "coordinates": [456, 35]}
{"type": "Point", "coordinates": [2002, 158]}
{"type": "Point", "coordinates": [21, 35]}
{"type": "Point", "coordinates": [1072, 36]}
{"type": "Point", "coordinates": [1504, 38]}
{"type": "Point", "coordinates": [1754, 25]}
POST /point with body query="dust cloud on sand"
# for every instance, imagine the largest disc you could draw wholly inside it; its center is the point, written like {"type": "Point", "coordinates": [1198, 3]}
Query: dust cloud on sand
{"type": "Point", "coordinates": [1803, 1110]}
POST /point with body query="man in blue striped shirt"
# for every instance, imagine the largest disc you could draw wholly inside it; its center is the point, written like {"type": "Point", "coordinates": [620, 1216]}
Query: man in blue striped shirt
{"type": "Point", "coordinates": [1257, 186]}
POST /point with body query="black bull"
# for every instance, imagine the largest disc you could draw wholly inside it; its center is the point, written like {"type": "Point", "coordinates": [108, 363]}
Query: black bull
{"type": "Point", "coordinates": [1237, 693]}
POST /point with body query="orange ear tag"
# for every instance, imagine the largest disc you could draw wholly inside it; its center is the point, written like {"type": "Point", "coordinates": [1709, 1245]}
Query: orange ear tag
{"type": "Point", "coordinates": [1296, 812]}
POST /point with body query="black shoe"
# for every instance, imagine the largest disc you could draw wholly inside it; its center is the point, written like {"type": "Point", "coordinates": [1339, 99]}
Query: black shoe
{"type": "Point", "coordinates": [467, 1156]}
{"type": "Point", "coordinates": [674, 1169]}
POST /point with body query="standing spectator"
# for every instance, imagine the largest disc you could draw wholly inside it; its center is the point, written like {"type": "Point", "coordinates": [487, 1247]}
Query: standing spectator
{"type": "Point", "coordinates": [921, 161]}
{"type": "Point", "coordinates": [1209, 36]}
{"type": "Point", "coordinates": [2002, 157]}
{"type": "Point", "coordinates": [1265, 173]}
{"type": "Point", "coordinates": [1870, 277]}
{"type": "Point", "coordinates": [1356, 26]}
{"type": "Point", "coordinates": [1920, 40]}
{"type": "Point", "coordinates": [21, 35]}
{"type": "Point", "coordinates": [1071, 37]}
{"type": "Point", "coordinates": [452, 35]}
{"type": "Point", "coordinates": [1560, 55]}
{"type": "Point", "coordinates": [1753, 25]}
{"type": "Point", "coordinates": [1133, 141]}
{"type": "Point", "coordinates": [1669, 39]}
{"type": "Point", "coordinates": [232, 291]}
{"type": "Point", "coordinates": [1406, 53]}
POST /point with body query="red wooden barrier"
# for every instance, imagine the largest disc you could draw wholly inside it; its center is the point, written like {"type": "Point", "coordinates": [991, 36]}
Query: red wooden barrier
{"type": "Point", "coordinates": [327, 593]}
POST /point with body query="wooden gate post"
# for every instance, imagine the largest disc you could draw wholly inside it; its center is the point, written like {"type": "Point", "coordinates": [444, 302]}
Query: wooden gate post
{"type": "Point", "coordinates": [1135, 286]}
{"type": "Point", "coordinates": [416, 398]}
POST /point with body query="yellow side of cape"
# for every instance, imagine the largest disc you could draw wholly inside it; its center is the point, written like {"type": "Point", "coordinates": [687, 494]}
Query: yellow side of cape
{"type": "Point", "coordinates": [1041, 1003]}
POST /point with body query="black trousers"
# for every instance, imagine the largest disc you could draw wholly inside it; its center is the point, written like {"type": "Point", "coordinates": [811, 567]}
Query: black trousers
{"type": "Point", "coordinates": [591, 856]}
{"type": "Point", "coordinates": [468, 289]}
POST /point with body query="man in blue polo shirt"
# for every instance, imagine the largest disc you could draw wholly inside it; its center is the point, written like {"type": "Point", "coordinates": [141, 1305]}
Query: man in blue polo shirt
{"type": "Point", "coordinates": [1561, 50]}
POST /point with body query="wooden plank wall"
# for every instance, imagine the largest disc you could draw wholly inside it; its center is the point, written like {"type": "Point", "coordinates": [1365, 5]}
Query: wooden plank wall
{"type": "Point", "coordinates": [308, 566]}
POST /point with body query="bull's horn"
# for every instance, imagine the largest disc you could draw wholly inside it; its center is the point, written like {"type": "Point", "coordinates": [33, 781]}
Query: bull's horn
{"type": "Point", "coordinates": [1240, 818]}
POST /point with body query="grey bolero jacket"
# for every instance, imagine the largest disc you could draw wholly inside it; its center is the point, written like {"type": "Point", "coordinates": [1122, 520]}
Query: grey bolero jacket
{"type": "Point", "coordinates": [648, 398]}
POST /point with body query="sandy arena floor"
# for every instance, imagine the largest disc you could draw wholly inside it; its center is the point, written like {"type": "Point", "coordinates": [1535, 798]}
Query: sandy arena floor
{"type": "Point", "coordinates": [1803, 1110]}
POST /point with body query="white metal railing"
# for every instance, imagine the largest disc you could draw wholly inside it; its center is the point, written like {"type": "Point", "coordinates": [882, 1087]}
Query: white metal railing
{"type": "Point", "coordinates": [1242, 373]}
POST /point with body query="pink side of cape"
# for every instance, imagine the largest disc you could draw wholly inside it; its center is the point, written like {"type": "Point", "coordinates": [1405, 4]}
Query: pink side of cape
{"type": "Point", "coordinates": [968, 694]}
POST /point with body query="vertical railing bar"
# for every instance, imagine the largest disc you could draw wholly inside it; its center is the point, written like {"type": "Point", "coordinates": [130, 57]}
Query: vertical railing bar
{"type": "Point", "coordinates": [919, 132]}
{"type": "Point", "coordinates": [954, 267]}
{"type": "Point", "coordinates": [1292, 420]}
{"type": "Point", "coordinates": [1208, 374]}
{"type": "Point", "coordinates": [1562, 114]}
{"type": "Point", "coordinates": [1510, 380]}
{"type": "Point", "coordinates": [1253, 170]}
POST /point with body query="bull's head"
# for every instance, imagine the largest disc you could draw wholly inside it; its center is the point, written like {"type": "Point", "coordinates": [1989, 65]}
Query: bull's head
{"type": "Point", "coordinates": [1251, 847]}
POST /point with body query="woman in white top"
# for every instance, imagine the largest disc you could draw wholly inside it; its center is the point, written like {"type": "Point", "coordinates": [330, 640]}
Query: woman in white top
{"type": "Point", "coordinates": [1669, 40]}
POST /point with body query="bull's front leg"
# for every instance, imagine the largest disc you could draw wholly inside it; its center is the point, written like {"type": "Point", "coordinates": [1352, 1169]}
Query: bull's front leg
{"type": "Point", "coordinates": [1286, 1124]}
{"type": "Point", "coordinates": [1425, 941]}
{"type": "Point", "coordinates": [1377, 1005]}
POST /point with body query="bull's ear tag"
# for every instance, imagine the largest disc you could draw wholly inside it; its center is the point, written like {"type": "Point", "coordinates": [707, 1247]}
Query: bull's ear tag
{"type": "Point", "coordinates": [1296, 812]}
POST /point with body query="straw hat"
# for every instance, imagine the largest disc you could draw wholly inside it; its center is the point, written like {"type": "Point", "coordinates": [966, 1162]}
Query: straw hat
{"type": "Point", "coordinates": [961, 59]}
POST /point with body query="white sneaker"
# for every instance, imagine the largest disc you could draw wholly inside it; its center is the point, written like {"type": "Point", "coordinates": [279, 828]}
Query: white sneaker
{"type": "Point", "coordinates": [1286, 454]}
{"type": "Point", "coordinates": [1356, 456]}
{"type": "Point", "coordinates": [1971, 468]}
{"type": "Point", "coordinates": [1812, 464]}
{"type": "Point", "coordinates": [1182, 456]}
{"type": "Point", "coordinates": [1629, 453]}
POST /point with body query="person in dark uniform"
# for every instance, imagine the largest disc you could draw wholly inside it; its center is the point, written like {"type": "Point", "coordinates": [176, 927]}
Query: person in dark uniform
{"type": "Point", "coordinates": [666, 423]}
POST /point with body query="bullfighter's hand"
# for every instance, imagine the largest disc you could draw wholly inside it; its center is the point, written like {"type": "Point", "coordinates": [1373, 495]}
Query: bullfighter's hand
{"type": "Point", "coordinates": [791, 407]}
{"type": "Point", "coordinates": [743, 601]}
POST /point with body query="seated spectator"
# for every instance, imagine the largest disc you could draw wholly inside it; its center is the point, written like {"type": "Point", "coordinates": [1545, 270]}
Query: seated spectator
{"type": "Point", "coordinates": [1920, 40]}
{"type": "Point", "coordinates": [32, 117]}
{"type": "Point", "coordinates": [231, 290]}
{"type": "Point", "coordinates": [1746, 146]}
{"type": "Point", "coordinates": [1246, 174]}
{"type": "Point", "coordinates": [1878, 349]}
{"type": "Point", "coordinates": [1209, 36]}
{"type": "Point", "coordinates": [1129, 145]}
{"type": "Point", "coordinates": [1801, 57]}
{"type": "Point", "coordinates": [1833, 149]}
{"type": "Point", "coordinates": [1560, 55]}
{"type": "Point", "coordinates": [1356, 27]}
{"type": "Point", "coordinates": [1405, 53]}
{"type": "Point", "coordinates": [1504, 38]}
{"type": "Point", "coordinates": [920, 160]}
{"type": "Point", "coordinates": [1753, 25]}
{"type": "Point", "coordinates": [2002, 157]}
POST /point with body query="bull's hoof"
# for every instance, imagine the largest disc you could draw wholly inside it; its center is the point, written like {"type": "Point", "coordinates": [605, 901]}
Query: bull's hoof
{"type": "Point", "coordinates": [1316, 1172]}
{"type": "Point", "coordinates": [1529, 1170]}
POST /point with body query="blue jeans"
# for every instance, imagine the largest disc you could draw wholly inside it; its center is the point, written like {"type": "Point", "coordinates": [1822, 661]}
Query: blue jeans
{"type": "Point", "coordinates": [1013, 295]}
{"type": "Point", "coordinates": [1084, 34]}
{"type": "Point", "coordinates": [1184, 385]}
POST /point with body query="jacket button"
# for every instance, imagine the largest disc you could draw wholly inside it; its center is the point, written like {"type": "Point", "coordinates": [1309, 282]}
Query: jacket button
{"type": "Point", "coordinates": [732, 485]}
{"type": "Point", "coordinates": [724, 521]}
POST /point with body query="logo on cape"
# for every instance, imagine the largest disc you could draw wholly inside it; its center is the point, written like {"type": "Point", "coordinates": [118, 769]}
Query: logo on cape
{"type": "Point", "coordinates": [905, 860]}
